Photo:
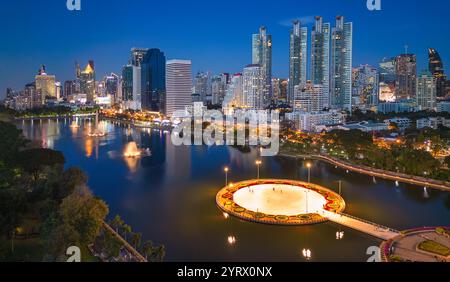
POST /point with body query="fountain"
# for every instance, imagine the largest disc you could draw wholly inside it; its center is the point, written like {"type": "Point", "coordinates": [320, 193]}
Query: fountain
{"type": "Point", "coordinates": [132, 151]}
{"type": "Point", "coordinates": [97, 132]}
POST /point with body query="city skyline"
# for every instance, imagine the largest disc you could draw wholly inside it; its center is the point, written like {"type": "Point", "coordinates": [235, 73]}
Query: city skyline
{"type": "Point", "coordinates": [231, 38]}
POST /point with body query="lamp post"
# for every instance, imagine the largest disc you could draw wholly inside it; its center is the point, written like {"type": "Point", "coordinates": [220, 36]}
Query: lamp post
{"type": "Point", "coordinates": [309, 165]}
{"type": "Point", "coordinates": [258, 164]}
{"type": "Point", "coordinates": [226, 170]}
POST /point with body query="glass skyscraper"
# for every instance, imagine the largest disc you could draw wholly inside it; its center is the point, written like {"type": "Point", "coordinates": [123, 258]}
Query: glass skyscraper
{"type": "Point", "coordinates": [153, 80]}
{"type": "Point", "coordinates": [341, 65]}
{"type": "Point", "coordinates": [297, 58]}
{"type": "Point", "coordinates": [262, 55]}
{"type": "Point", "coordinates": [320, 57]}
{"type": "Point", "coordinates": [436, 67]}
{"type": "Point", "coordinates": [406, 71]}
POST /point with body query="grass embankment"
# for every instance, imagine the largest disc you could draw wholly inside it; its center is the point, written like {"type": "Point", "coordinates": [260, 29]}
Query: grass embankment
{"type": "Point", "coordinates": [434, 248]}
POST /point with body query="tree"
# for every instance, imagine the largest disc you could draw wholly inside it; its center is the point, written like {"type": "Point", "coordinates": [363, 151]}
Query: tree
{"type": "Point", "coordinates": [136, 240]}
{"type": "Point", "coordinates": [35, 160]}
{"type": "Point", "coordinates": [152, 253]}
{"type": "Point", "coordinates": [126, 230]}
{"type": "Point", "coordinates": [117, 223]}
{"type": "Point", "coordinates": [447, 161]}
{"type": "Point", "coordinates": [11, 142]}
{"type": "Point", "coordinates": [85, 213]}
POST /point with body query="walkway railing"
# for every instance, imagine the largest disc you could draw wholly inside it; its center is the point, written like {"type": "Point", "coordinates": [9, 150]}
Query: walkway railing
{"type": "Point", "coordinates": [371, 223]}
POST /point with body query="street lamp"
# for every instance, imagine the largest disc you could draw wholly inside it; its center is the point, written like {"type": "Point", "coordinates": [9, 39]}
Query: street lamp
{"type": "Point", "coordinates": [309, 165]}
{"type": "Point", "coordinates": [258, 164]}
{"type": "Point", "coordinates": [226, 170]}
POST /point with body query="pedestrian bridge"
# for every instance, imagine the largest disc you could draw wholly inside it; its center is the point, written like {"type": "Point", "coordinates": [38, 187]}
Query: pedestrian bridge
{"type": "Point", "coordinates": [373, 229]}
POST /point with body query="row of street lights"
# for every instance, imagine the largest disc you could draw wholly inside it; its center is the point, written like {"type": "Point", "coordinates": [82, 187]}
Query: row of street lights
{"type": "Point", "coordinates": [227, 170]}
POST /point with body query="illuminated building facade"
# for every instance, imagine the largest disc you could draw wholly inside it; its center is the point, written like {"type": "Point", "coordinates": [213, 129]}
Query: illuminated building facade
{"type": "Point", "coordinates": [297, 57]}
{"type": "Point", "coordinates": [262, 55]}
{"type": "Point", "coordinates": [406, 73]}
{"type": "Point", "coordinates": [320, 56]}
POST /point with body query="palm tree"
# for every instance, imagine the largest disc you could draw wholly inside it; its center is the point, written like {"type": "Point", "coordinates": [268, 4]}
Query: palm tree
{"type": "Point", "coordinates": [147, 249]}
{"type": "Point", "coordinates": [117, 223]}
{"type": "Point", "coordinates": [136, 239]}
{"type": "Point", "coordinates": [126, 229]}
{"type": "Point", "coordinates": [160, 253]}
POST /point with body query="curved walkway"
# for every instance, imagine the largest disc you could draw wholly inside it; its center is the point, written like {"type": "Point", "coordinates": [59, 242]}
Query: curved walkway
{"type": "Point", "coordinates": [415, 180]}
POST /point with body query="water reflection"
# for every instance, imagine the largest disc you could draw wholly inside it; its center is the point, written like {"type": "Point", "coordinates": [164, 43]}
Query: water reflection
{"type": "Point", "coordinates": [170, 196]}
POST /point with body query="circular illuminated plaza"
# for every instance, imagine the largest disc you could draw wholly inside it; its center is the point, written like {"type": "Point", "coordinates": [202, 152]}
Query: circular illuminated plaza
{"type": "Point", "coordinates": [280, 202]}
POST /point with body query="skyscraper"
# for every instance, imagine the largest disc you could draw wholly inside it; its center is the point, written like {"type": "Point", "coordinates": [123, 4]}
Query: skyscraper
{"type": "Point", "coordinates": [69, 88]}
{"type": "Point", "coordinates": [297, 57]}
{"type": "Point", "coordinates": [387, 71]}
{"type": "Point", "coordinates": [406, 69]}
{"type": "Point", "coordinates": [219, 85]}
{"type": "Point", "coordinates": [137, 55]}
{"type": "Point", "coordinates": [426, 91]}
{"type": "Point", "coordinates": [341, 65]}
{"type": "Point", "coordinates": [87, 81]}
{"type": "Point", "coordinates": [436, 68]}
{"type": "Point", "coordinates": [131, 87]}
{"type": "Point", "coordinates": [320, 56]}
{"type": "Point", "coordinates": [234, 93]}
{"type": "Point", "coordinates": [254, 87]}
{"type": "Point", "coordinates": [308, 97]}
{"type": "Point", "coordinates": [365, 87]}
{"type": "Point", "coordinates": [45, 87]}
{"type": "Point", "coordinates": [178, 85]}
{"type": "Point", "coordinates": [262, 55]}
{"type": "Point", "coordinates": [202, 86]}
{"type": "Point", "coordinates": [153, 67]}
{"type": "Point", "coordinates": [112, 86]}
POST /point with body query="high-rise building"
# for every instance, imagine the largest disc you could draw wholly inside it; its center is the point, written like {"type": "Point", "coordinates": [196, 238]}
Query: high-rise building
{"type": "Point", "coordinates": [365, 87]}
{"type": "Point", "coordinates": [320, 56]}
{"type": "Point", "coordinates": [341, 65]}
{"type": "Point", "coordinates": [69, 88]}
{"type": "Point", "coordinates": [309, 97]}
{"type": "Point", "coordinates": [45, 87]}
{"type": "Point", "coordinates": [87, 82]}
{"type": "Point", "coordinates": [178, 85]}
{"type": "Point", "coordinates": [426, 91]}
{"type": "Point", "coordinates": [131, 87]}
{"type": "Point", "coordinates": [262, 55]}
{"type": "Point", "coordinates": [254, 84]}
{"type": "Point", "coordinates": [219, 86]}
{"type": "Point", "coordinates": [406, 73]}
{"type": "Point", "coordinates": [111, 86]}
{"type": "Point", "coordinates": [234, 93]}
{"type": "Point", "coordinates": [137, 55]}
{"type": "Point", "coordinates": [153, 77]}
{"type": "Point", "coordinates": [202, 86]}
{"type": "Point", "coordinates": [388, 71]}
{"type": "Point", "coordinates": [436, 68]}
{"type": "Point", "coordinates": [30, 92]}
{"type": "Point", "coordinates": [297, 57]}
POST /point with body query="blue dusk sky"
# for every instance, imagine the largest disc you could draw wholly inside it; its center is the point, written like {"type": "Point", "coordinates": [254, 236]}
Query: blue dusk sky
{"type": "Point", "coordinates": [215, 35]}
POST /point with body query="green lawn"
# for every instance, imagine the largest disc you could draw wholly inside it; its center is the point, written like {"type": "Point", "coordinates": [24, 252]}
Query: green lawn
{"type": "Point", "coordinates": [434, 248]}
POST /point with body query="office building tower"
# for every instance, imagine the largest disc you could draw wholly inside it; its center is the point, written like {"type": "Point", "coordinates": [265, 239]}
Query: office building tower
{"type": "Point", "coordinates": [436, 68]}
{"type": "Point", "coordinates": [254, 85]}
{"type": "Point", "coordinates": [365, 87]}
{"type": "Point", "coordinates": [297, 57]}
{"type": "Point", "coordinates": [262, 55]}
{"type": "Point", "coordinates": [406, 69]}
{"type": "Point", "coordinates": [426, 91]}
{"type": "Point", "coordinates": [69, 88]}
{"type": "Point", "coordinates": [202, 86]}
{"type": "Point", "coordinates": [309, 97]}
{"type": "Point", "coordinates": [131, 87]}
{"type": "Point", "coordinates": [111, 85]}
{"type": "Point", "coordinates": [219, 86]}
{"type": "Point", "coordinates": [178, 85]}
{"type": "Point", "coordinates": [320, 56]}
{"type": "Point", "coordinates": [87, 82]}
{"type": "Point", "coordinates": [388, 71]}
{"type": "Point", "coordinates": [137, 55]}
{"type": "Point", "coordinates": [234, 93]}
{"type": "Point", "coordinates": [153, 78]}
{"type": "Point", "coordinates": [45, 87]}
{"type": "Point", "coordinates": [341, 65]}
